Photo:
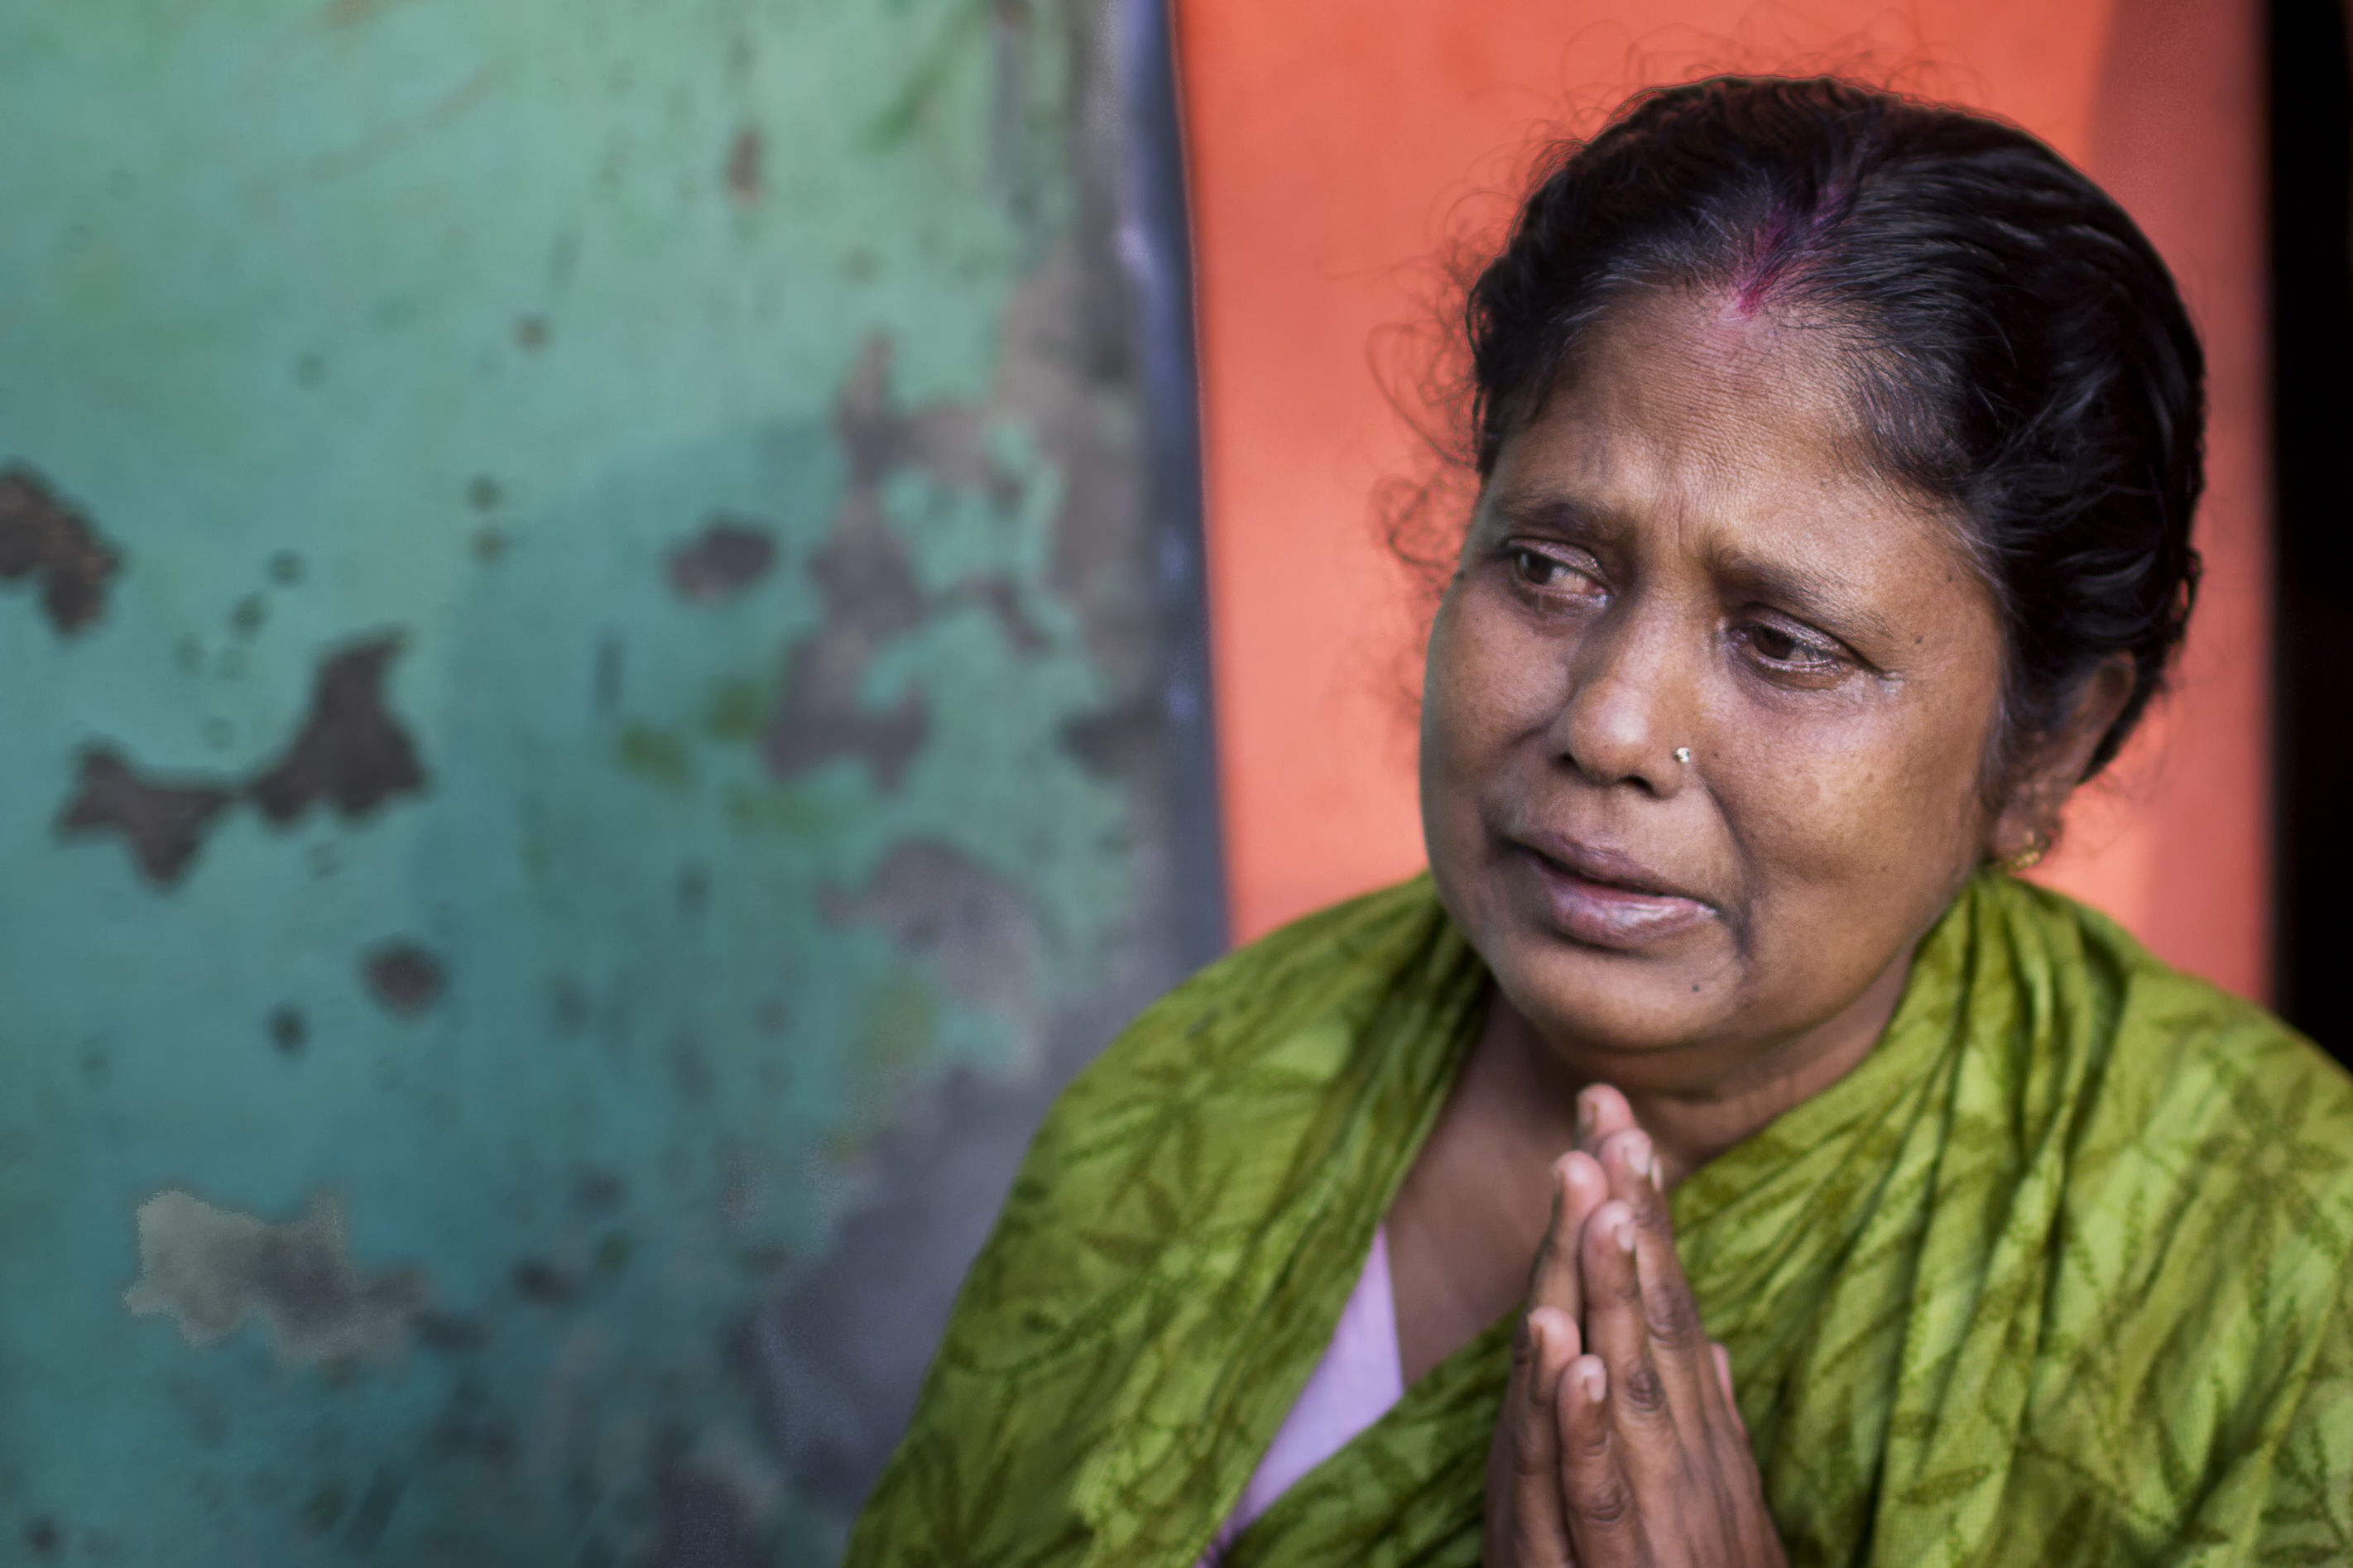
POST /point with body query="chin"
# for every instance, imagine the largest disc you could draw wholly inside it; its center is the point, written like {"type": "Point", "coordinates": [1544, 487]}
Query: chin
{"type": "Point", "coordinates": [1608, 1003]}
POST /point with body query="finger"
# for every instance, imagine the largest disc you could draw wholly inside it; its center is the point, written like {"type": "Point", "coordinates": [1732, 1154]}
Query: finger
{"type": "Point", "coordinates": [1578, 1187]}
{"type": "Point", "coordinates": [1670, 1318]}
{"type": "Point", "coordinates": [1731, 1402]}
{"type": "Point", "coordinates": [1605, 1530]}
{"type": "Point", "coordinates": [1601, 1111]}
{"type": "Point", "coordinates": [1651, 1449]}
{"type": "Point", "coordinates": [1538, 1532]}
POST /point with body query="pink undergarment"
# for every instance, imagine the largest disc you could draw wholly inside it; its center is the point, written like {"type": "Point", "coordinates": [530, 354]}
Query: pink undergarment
{"type": "Point", "coordinates": [1353, 1386]}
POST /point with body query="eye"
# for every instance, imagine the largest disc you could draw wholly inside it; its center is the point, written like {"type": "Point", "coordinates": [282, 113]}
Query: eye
{"type": "Point", "coordinates": [1551, 572]}
{"type": "Point", "coordinates": [1787, 650]}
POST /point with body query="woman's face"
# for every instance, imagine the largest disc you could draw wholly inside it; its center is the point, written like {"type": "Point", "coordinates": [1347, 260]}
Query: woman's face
{"type": "Point", "coordinates": [1681, 555]}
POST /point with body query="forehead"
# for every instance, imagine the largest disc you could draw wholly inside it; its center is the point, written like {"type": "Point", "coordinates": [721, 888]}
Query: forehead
{"type": "Point", "coordinates": [1738, 428]}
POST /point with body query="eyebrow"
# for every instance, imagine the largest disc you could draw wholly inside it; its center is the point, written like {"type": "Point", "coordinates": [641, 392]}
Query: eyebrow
{"type": "Point", "coordinates": [1560, 514]}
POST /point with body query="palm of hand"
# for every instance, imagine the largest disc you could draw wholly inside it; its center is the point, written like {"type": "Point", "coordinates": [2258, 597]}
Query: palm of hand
{"type": "Point", "coordinates": [1618, 1442]}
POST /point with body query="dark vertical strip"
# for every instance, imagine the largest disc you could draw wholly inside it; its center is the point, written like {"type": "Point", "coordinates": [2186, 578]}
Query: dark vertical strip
{"type": "Point", "coordinates": [1155, 246]}
{"type": "Point", "coordinates": [2311, 397]}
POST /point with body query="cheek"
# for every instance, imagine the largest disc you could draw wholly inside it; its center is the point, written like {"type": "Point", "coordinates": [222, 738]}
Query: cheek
{"type": "Point", "coordinates": [1889, 800]}
{"type": "Point", "coordinates": [1480, 698]}
{"type": "Point", "coordinates": [1487, 686]}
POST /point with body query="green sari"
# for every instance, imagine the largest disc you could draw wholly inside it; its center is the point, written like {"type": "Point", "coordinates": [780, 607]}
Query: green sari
{"type": "Point", "coordinates": [2057, 1275]}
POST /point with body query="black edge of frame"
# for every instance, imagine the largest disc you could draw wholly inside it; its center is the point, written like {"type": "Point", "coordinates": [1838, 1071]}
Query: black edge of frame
{"type": "Point", "coordinates": [2311, 159]}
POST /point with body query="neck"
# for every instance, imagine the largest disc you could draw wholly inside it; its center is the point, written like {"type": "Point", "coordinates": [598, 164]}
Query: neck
{"type": "Point", "coordinates": [1702, 1104]}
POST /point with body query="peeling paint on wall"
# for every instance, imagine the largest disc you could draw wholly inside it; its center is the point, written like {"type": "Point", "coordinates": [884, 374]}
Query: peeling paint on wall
{"type": "Point", "coordinates": [210, 1270]}
{"type": "Point", "coordinates": [47, 541]}
{"type": "Point", "coordinates": [584, 688]}
{"type": "Point", "coordinates": [349, 753]}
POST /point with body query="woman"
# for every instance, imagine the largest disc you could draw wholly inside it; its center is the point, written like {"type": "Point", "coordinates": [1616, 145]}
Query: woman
{"type": "Point", "coordinates": [1719, 1157]}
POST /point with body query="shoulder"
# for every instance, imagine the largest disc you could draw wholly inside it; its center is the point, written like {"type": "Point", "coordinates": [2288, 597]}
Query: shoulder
{"type": "Point", "coordinates": [2212, 1119]}
{"type": "Point", "coordinates": [2194, 1062]}
{"type": "Point", "coordinates": [1103, 1298]}
{"type": "Point", "coordinates": [2190, 1195]}
{"type": "Point", "coordinates": [1192, 1115]}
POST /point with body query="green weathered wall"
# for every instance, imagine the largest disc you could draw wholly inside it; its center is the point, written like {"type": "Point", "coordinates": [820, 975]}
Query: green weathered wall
{"type": "Point", "coordinates": [575, 665]}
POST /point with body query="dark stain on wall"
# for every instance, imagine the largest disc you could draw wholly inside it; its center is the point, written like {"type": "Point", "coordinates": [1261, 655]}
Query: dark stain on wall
{"type": "Point", "coordinates": [943, 906]}
{"type": "Point", "coordinates": [404, 977]}
{"type": "Point", "coordinates": [290, 1031]}
{"type": "Point", "coordinates": [164, 823]}
{"type": "Point", "coordinates": [868, 589]}
{"type": "Point", "coordinates": [544, 1284]}
{"type": "Point", "coordinates": [375, 1512]}
{"type": "Point", "coordinates": [452, 1333]}
{"type": "Point", "coordinates": [869, 596]}
{"type": "Point", "coordinates": [473, 1427]}
{"type": "Point", "coordinates": [743, 165]}
{"type": "Point", "coordinates": [596, 1191]}
{"type": "Point", "coordinates": [728, 556]}
{"type": "Point", "coordinates": [350, 752]}
{"type": "Point", "coordinates": [43, 538]}
{"type": "Point", "coordinates": [1002, 600]}
{"type": "Point", "coordinates": [825, 1349]}
{"type": "Point", "coordinates": [1116, 742]}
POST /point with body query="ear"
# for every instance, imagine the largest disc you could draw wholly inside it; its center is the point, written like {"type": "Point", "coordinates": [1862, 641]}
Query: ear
{"type": "Point", "coordinates": [2029, 821]}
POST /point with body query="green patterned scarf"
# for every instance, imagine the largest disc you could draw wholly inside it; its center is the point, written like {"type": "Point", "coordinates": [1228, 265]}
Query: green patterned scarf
{"type": "Point", "coordinates": [2058, 1274]}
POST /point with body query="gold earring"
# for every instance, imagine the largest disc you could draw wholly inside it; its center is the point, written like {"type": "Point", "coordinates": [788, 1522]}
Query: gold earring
{"type": "Point", "coordinates": [2025, 860]}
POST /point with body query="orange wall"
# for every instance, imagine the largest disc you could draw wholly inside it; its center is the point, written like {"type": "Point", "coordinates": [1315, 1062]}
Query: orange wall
{"type": "Point", "coordinates": [1338, 146]}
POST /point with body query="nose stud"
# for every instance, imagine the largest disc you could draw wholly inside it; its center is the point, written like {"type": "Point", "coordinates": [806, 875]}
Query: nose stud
{"type": "Point", "coordinates": [1682, 755]}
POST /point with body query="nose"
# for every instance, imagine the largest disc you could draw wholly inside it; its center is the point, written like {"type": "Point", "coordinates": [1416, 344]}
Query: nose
{"type": "Point", "coordinates": [1630, 705]}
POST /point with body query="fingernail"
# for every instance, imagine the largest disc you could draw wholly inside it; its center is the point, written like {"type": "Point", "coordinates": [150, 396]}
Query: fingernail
{"type": "Point", "coordinates": [1625, 1233]}
{"type": "Point", "coordinates": [1638, 1154]}
{"type": "Point", "coordinates": [1594, 1379]}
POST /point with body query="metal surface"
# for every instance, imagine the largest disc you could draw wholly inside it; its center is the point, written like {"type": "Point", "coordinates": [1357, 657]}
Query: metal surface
{"type": "Point", "coordinates": [594, 723]}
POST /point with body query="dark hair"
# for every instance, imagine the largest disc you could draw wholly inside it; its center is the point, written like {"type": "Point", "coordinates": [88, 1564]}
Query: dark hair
{"type": "Point", "coordinates": [2019, 351]}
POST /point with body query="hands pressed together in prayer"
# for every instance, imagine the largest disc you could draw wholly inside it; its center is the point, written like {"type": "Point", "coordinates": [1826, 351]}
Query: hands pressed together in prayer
{"type": "Point", "coordinates": [1618, 1442]}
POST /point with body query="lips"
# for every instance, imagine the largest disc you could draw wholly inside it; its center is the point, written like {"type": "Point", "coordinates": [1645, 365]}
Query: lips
{"type": "Point", "coordinates": [1604, 899]}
